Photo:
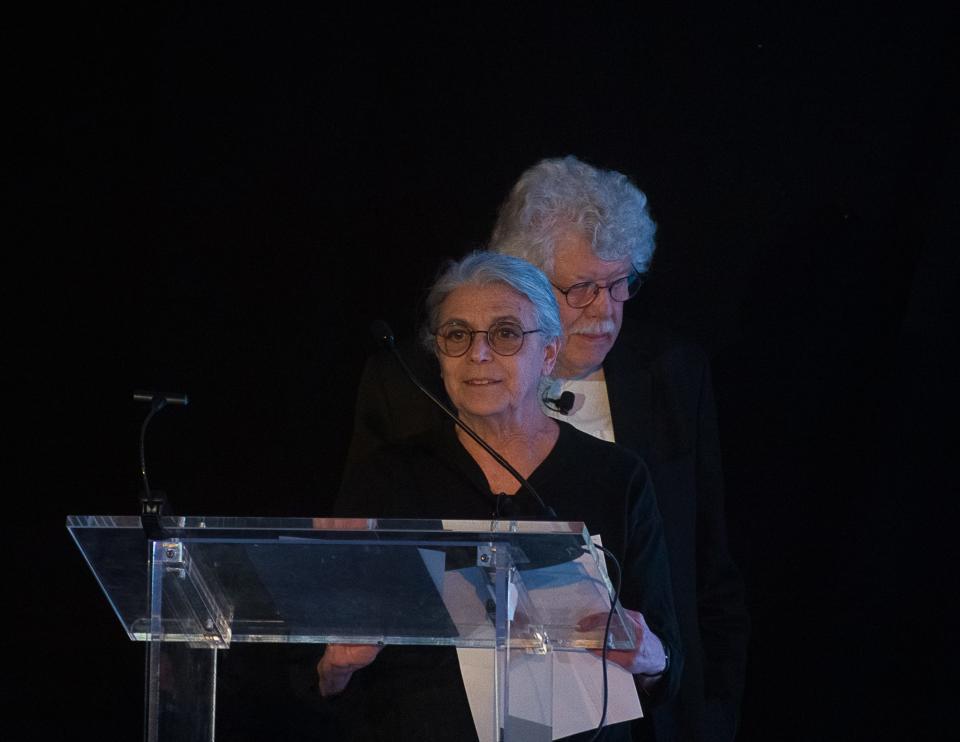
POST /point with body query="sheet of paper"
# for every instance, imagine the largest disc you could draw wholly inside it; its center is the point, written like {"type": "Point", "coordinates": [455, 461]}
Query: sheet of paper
{"type": "Point", "coordinates": [576, 695]}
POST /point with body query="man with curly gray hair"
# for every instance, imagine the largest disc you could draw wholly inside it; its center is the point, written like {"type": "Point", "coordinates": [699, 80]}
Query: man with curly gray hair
{"type": "Point", "coordinates": [590, 231]}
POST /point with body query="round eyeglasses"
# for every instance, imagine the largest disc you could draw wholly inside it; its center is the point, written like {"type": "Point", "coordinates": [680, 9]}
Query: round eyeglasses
{"type": "Point", "coordinates": [582, 295]}
{"type": "Point", "coordinates": [504, 338]}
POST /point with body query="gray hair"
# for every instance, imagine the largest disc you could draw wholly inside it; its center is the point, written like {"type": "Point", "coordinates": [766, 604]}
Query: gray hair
{"type": "Point", "coordinates": [559, 195]}
{"type": "Point", "coordinates": [482, 268]}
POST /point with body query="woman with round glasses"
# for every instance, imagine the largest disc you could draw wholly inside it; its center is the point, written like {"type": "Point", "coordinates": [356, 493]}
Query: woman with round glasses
{"type": "Point", "coordinates": [495, 330]}
{"type": "Point", "coordinates": [494, 325]}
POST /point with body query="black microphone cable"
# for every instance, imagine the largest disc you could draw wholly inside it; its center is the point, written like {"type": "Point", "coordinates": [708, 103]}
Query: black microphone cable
{"type": "Point", "coordinates": [606, 638]}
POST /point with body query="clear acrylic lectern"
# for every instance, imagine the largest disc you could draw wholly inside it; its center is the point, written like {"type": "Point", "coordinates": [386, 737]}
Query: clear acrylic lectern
{"type": "Point", "coordinates": [517, 588]}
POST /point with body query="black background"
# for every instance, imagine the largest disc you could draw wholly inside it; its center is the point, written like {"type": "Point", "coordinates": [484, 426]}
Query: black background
{"type": "Point", "coordinates": [219, 200]}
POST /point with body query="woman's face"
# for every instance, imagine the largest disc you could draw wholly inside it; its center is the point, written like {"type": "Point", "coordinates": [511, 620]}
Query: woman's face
{"type": "Point", "coordinates": [481, 383]}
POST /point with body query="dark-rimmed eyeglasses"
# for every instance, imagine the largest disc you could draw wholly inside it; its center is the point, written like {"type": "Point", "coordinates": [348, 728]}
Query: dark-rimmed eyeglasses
{"type": "Point", "coordinates": [582, 295]}
{"type": "Point", "coordinates": [504, 338]}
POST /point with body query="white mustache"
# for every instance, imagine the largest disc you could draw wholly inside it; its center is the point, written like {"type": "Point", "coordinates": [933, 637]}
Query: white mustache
{"type": "Point", "coordinates": [598, 327]}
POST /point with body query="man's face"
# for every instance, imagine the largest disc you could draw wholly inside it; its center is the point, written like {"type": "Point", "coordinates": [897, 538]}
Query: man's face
{"type": "Point", "coordinates": [589, 332]}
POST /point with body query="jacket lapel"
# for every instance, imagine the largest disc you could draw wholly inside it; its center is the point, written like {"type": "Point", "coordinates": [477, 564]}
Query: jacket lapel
{"type": "Point", "coordinates": [629, 380]}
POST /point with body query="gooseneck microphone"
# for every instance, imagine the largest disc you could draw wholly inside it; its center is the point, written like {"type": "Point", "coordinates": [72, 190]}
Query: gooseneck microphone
{"type": "Point", "coordinates": [151, 506]}
{"type": "Point", "coordinates": [384, 336]}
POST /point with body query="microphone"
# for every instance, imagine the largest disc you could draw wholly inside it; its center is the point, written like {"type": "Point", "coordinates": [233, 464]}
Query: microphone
{"type": "Point", "coordinates": [152, 504]}
{"type": "Point", "coordinates": [153, 397]}
{"type": "Point", "coordinates": [562, 404]}
{"type": "Point", "coordinates": [384, 336]}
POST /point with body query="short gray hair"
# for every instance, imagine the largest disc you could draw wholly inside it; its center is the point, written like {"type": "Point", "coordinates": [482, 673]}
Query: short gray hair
{"type": "Point", "coordinates": [556, 196]}
{"type": "Point", "coordinates": [483, 268]}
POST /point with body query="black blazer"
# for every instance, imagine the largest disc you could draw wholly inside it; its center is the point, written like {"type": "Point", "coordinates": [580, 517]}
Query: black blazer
{"type": "Point", "coordinates": [661, 401]}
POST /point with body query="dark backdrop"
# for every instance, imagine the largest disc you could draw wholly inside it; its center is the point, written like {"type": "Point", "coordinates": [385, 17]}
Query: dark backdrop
{"type": "Point", "coordinates": [220, 200]}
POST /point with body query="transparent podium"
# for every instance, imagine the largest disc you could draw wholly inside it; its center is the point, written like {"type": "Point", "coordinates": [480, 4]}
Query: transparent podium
{"type": "Point", "coordinates": [515, 588]}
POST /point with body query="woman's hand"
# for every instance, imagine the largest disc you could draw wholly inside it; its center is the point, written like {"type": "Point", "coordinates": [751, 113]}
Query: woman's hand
{"type": "Point", "coordinates": [340, 661]}
{"type": "Point", "coordinates": [648, 658]}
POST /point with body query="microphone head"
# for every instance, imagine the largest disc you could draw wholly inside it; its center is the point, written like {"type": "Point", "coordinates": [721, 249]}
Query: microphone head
{"type": "Point", "coordinates": [562, 404]}
{"type": "Point", "coordinates": [160, 398]}
{"type": "Point", "coordinates": [382, 333]}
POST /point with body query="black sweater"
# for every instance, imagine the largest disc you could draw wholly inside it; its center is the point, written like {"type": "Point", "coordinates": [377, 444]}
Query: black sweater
{"type": "Point", "coordinates": [417, 693]}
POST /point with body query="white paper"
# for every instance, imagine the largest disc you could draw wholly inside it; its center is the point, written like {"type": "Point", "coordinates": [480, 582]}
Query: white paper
{"type": "Point", "coordinates": [476, 666]}
{"type": "Point", "coordinates": [577, 692]}
{"type": "Point", "coordinates": [577, 696]}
